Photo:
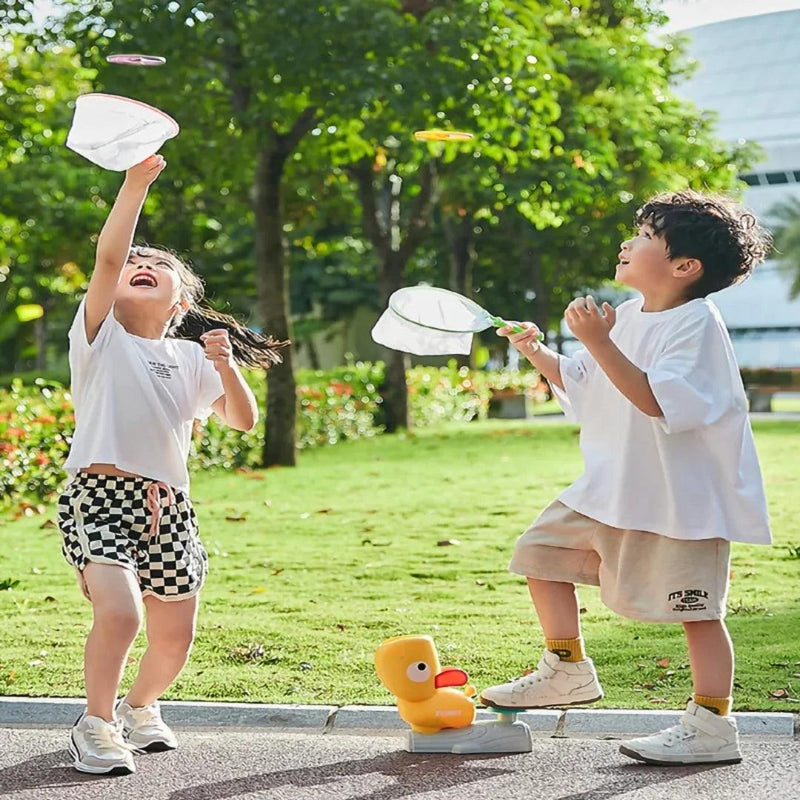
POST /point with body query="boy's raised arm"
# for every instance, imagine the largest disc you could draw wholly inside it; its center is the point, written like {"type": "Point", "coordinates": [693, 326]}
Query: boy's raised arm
{"type": "Point", "coordinates": [114, 242]}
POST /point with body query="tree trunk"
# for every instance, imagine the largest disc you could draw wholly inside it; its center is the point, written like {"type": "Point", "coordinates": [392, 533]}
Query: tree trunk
{"type": "Point", "coordinates": [383, 227]}
{"type": "Point", "coordinates": [273, 303]}
{"type": "Point", "coordinates": [395, 389]}
{"type": "Point", "coordinates": [540, 312]}
{"type": "Point", "coordinates": [41, 343]}
{"type": "Point", "coordinates": [462, 255]}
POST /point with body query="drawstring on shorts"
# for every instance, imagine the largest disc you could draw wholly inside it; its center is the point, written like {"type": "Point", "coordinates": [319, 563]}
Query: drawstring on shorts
{"type": "Point", "coordinates": [155, 505]}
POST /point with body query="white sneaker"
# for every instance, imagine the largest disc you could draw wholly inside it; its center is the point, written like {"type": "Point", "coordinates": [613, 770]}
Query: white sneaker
{"type": "Point", "coordinates": [145, 729]}
{"type": "Point", "coordinates": [97, 746]}
{"type": "Point", "coordinates": [553, 683]}
{"type": "Point", "coordinates": [701, 737]}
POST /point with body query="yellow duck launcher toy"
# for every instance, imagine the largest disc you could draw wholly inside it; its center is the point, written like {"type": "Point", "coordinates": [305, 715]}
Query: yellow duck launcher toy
{"type": "Point", "coordinates": [441, 716]}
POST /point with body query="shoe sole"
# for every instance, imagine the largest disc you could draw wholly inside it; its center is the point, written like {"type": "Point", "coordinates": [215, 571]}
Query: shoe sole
{"type": "Point", "coordinates": [156, 747]}
{"type": "Point", "coordinates": [491, 704]}
{"type": "Point", "coordinates": [81, 767]}
{"type": "Point", "coordinates": [626, 751]}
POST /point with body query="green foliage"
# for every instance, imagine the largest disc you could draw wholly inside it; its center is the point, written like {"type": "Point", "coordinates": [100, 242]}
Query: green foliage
{"type": "Point", "coordinates": [311, 569]}
{"type": "Point", "coordinates": [787, 241]}
{"type": "Point", "coordinates": [36, 425]}
{"type": "Point", "coordinates": [37, 421]}
{"type": "Point", "coordinates": [49, 206]}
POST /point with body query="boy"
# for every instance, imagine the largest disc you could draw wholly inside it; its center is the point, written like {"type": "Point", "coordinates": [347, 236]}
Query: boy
{"type": "Point", "coordinates": [671, 473]}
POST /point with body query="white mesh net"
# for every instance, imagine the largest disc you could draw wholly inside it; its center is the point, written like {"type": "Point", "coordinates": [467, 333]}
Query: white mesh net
{"type": "Point", "coordinates": [427, 321]}
{"type": "Point", "coordinates": [116, 133]}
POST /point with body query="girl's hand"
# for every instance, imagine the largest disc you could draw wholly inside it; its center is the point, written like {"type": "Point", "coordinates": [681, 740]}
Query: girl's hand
{"type": "Point", "coordinates": [526, 342]}
{"type": "Point", "coordinates": [217, 346]}
{"type": "Point", "coordinates": [146, 172]}
{"type": "Point", "coordinates": [588, 325]}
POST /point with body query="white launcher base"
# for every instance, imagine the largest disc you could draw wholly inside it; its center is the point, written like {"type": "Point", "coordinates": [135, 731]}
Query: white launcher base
{"type": "Point", "coordinates": [506, 735]}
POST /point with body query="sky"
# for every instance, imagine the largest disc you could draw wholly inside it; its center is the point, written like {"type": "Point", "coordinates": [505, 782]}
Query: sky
{"type": "Point", "coordinates": [690, 13]}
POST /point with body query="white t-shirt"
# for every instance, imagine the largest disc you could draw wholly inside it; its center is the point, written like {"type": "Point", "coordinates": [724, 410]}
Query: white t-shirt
{"type": "Point", "coordinates": [691, 474]}
{"type": "Point", "coordinates": [135, 400]}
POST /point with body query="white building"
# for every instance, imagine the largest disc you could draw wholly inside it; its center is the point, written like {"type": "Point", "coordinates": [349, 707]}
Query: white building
{"type": "Point", "coordinates": [748, 74]}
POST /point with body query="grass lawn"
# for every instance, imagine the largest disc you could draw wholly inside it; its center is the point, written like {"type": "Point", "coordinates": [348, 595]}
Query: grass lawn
{"type": "Point", "coordinates": [311, 568]}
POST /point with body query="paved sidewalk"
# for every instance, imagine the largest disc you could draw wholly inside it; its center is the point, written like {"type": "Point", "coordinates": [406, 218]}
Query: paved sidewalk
{"type": "Point", "coordinates": [229, 764]}
{"type": "Point", "coordinates": [53, 712]}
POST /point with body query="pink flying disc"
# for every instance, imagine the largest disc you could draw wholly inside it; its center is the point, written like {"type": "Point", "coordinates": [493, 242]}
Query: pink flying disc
{"type": "Point", "coordinates": [136, 60]}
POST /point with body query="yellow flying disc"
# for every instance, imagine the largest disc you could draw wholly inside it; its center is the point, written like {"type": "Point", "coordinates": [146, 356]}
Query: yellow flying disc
{"type": "Point", "coordinates": [442, 136]}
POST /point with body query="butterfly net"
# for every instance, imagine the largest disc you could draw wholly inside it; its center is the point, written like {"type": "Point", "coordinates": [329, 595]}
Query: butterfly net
{"type": "Point", "coordinates": [427, 321]}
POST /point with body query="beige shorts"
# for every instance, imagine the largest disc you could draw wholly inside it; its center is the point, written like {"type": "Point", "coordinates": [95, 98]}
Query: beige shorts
{"type": "Point", "coordinates": [641, 575]}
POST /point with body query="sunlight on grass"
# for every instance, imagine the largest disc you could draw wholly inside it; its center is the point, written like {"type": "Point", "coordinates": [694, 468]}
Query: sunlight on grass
{"type": "Point", "coordinates": [311, 568]}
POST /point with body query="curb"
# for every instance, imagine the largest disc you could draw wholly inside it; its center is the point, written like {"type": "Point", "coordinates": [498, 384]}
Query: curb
{"type": "Point", "coordinates": [42, 712]}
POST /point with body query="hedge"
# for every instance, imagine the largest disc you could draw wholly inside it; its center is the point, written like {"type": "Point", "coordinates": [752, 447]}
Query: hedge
{"type": "Point", "coordinates": [36, 421]}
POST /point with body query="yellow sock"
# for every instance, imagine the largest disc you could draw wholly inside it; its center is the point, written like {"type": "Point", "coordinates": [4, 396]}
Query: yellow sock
{"type": "Point", "coordinates": [717, 705]}
{"type": "Point", "coordinates": [567, 649]}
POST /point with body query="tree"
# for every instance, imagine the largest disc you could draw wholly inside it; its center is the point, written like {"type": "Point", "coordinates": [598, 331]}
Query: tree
{"type": "Point", "coordinates": [250, 79]}
{"type": "Point", "coordinates": [786, 232]}
{"type": "Point", "coordinates": [556, 222]}
{"type": "Point", "coordinates": [486, 73]}
{"type": "Point", "coordinates": [48, 207]}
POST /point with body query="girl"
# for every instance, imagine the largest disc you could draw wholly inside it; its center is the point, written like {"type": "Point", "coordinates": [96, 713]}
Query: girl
{"type": "Point", "coordinates": [146, 360]}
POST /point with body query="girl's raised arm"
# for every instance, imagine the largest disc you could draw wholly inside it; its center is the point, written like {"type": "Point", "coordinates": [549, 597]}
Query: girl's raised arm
{"type": "Point", "coordinates": [114, 242]}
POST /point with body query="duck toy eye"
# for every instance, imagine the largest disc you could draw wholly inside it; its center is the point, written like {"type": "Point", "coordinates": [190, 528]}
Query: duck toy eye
{"type": "Point", "coordinates": [419, 672]}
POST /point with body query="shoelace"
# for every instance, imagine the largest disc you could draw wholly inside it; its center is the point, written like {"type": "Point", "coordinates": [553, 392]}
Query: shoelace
{"type": "Point", "coordinates": [109, 737]}
{"type": "Point", "coordinates": [146, 715]}
{"type": "Point", "coordinates": [677, 733]}
{"type": "Point", "coordinates": [541, 673]}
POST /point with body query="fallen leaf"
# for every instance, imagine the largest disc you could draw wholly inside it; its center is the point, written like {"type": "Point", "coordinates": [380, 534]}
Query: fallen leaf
{"type": "Point", "coordinates": [35, 663]}
{"type": "Point", "coordinates": [583, 610]}
{"type": "Point", "coordinates": [237, 518]}
{"type": "Point", "coordinates": [664, 662]}
{"type": "Point", "coordinates": [277, 571]}
{"type": "Point", "coordinates": [305, 516]}
{"type": "Point", "coordinates": [259, 590]}
{"type": "Point", "coordinates": [268, 503]}
{"type": "Point", "coordinates": [50, 599]}
{"type": "Point", "coordinates": [659, 700]}
{"type": "Point", "coordinates": [448, 542]}
{"type": "Point", "coordinates": [323, 511]}
{"type": "Point", "coordinates": [779, 694]}
{"type": "Point", "coordinates": [306, 665]}
{"type": "Point", "coordinates": [340, 626]}
{"type": "Point", "coordinates": [47, 524]}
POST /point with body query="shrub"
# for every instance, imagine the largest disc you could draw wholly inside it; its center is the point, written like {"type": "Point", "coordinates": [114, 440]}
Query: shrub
{"type": "Point", "coordinates": [37, 421]}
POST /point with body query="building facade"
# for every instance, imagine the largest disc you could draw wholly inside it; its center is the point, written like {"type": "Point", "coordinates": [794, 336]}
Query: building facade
{"type": "Point", "coordinates": [747, 74]}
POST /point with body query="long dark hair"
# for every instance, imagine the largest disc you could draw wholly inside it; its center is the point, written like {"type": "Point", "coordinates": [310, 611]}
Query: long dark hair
{"type": "Point", "coordinates": [250, 349]}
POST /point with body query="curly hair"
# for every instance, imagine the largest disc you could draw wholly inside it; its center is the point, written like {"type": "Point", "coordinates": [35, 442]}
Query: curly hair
{"type": "Point", "coordinates": [250, 349]}
{"type": "Point", "coordinates": [725, 237]}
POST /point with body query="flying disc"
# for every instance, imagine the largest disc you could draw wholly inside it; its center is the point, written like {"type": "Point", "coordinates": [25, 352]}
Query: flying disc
{"type": "Point", "coordinates": [442, 136]}
{"type": "Point", "coordinates": [136, 60]}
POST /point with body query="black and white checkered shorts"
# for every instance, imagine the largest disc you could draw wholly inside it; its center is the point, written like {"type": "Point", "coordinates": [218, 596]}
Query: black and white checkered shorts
{"type": "Point", "coordinates": [134, 523]}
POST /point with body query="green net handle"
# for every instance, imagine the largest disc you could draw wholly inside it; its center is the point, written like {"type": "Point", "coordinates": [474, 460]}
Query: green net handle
{"type": "Point", "coordinates": [499, 322]}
